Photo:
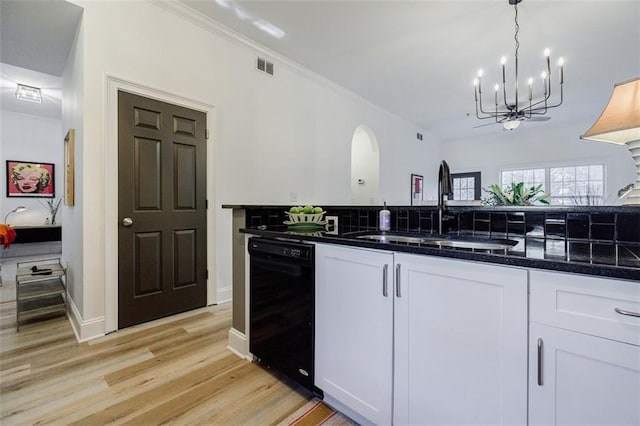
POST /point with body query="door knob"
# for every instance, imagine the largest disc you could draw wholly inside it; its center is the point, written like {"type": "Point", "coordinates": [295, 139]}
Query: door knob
{"type": "Point", "coordinates": [127, 221]}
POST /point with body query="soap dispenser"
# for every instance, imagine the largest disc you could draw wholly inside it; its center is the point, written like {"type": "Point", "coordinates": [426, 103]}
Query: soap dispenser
{"type": "Point", "coordinates": [385, 218]}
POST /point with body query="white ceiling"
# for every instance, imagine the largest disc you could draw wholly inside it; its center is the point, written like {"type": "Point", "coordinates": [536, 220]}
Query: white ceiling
{"type": "Point", "coordinates": [416, 59]}
{"type": "Point", "coordinates": [37, 35]}
{"type": "Point", "coordinates": [35, 40]}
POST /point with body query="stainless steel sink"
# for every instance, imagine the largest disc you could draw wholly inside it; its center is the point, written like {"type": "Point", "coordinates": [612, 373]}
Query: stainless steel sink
{"type": "Point", "coordinates": [468, 243]}
{"type": "Point", "coordinates": [387, 238]}
{"type": "Point", "coordinates": [483, 245]}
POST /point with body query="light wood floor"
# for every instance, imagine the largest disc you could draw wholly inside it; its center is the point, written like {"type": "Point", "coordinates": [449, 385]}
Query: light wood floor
{"type": "Point", "coordinates": [174, 371]}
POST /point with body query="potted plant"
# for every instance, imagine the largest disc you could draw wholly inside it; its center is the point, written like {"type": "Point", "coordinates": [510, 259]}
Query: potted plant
{"type": "Point", "coordinates": [515, 195]}
{"type": "Point", "coordinates": [53, 205]}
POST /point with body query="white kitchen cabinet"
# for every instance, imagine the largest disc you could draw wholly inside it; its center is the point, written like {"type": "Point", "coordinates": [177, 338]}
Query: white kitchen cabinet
{"type": "Point", "coordinates": [584, 380]}
{"type": "Point", "coordinates": [584, 354]}
{"type": "Point", "coordinates": [354, 331]}
{"type": "Point", "coordinates": [454, 351]}
{"type": "Point", "coordinates": [460, 343]}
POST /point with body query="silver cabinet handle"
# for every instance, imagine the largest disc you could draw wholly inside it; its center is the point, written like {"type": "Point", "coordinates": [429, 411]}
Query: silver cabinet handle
{"type": "Point", "coordinates": [398, 294]}
{"type": "Point", "coordinates": [127, 221]}
{"type": "Point", "coordinates": [627, 313]}
{"type": "Point", "coordinates": [385, 290]}
{"type": "Point", "coordinates": [540, 345]}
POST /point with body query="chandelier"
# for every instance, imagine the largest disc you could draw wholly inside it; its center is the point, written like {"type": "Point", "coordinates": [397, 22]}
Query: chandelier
{"type": "Point", "coordinates": [517, 109]}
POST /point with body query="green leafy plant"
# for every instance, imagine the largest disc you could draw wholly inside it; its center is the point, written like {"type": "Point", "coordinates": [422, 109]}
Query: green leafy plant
{"type": "Point", "coordinates": [52, 204]}
{"type": "Point", "coordinates": [515, 195]}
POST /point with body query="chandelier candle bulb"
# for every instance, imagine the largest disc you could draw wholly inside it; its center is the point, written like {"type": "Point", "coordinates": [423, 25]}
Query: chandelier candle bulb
{"type": "Point", "coordinates": [547, 52]}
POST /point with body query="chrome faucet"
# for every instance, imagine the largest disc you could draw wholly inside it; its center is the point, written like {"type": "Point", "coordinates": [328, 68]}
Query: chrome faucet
{"type": "Point", "coordinates": [444, 188]}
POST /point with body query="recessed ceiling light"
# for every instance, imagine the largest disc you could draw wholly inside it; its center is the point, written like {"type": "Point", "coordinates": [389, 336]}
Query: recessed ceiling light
{"type": "Point", "coordinates": [29, 93]}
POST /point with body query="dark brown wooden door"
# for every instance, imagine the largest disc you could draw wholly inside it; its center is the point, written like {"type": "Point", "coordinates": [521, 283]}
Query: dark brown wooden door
{"type": "Point", "coordinates": [161, 209]}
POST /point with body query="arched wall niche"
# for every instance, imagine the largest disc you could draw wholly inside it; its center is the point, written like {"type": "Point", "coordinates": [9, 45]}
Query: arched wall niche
{"type": "Point", "coordinates": [365, 167]}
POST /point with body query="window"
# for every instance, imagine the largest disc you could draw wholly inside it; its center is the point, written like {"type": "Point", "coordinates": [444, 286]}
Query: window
{"type": "Point", "coordinates": [530, 177]}
{"type": "Point", "coordinates": [466, 186]}
{"type": "Point", "coordinates": [569, 185]}
{"type": "Point", "coordinates": [577, 185]}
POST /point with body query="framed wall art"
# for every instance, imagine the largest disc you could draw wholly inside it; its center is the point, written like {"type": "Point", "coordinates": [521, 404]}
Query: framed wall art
{"type": "Point", "coordinates": [416, 189]}
{"type": "Point", "coordinates": [30, 179]}
{"type": "Point", "coordinates": [69, 168]}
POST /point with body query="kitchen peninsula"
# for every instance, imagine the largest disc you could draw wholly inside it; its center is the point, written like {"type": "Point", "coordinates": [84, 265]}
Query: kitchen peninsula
{"type": "Point", "coordinates": [496, 332]}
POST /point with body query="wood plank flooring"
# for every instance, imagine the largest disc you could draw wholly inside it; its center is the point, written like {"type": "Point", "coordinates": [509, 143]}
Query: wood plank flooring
{"type": "Point", "coordinates": [171, 371]}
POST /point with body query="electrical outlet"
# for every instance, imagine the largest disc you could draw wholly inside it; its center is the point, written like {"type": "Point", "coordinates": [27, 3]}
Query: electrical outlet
{"type": "Point", "coordinates": [332, 225]}
{"type": "Point", "coordinates": [293, 197]}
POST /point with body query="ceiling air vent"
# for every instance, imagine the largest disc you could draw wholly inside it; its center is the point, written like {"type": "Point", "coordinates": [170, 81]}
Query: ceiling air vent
{"type": "Point", "coordinates": [264, 66]}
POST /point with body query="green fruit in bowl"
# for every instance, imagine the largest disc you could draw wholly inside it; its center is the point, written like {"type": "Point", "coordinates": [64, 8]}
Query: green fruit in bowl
{"type": "Point", "coordinates": [294, 210]}
{"type": "Point", "coordinates": [317, 210]}
{"type": "Point", "coordinates": [307, 209]}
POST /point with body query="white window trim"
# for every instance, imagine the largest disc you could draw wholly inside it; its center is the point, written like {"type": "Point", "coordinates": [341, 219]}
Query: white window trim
{"type": "Point", "coordinates": [547, 172]}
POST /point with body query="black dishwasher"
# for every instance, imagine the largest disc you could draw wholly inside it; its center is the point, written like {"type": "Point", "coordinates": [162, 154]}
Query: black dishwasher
{"type": "Point", "coordinates": [281, 307]}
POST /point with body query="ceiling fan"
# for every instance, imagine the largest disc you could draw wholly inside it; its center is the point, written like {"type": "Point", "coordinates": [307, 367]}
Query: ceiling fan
{"type": "Point", "coordinates": [512, 119]}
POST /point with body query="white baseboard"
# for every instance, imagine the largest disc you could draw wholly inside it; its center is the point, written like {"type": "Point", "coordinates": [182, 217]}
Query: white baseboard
{"type": "Point", "coordinates": [238, 344]}
{"type": "Point", "coordinates": [84, 330]}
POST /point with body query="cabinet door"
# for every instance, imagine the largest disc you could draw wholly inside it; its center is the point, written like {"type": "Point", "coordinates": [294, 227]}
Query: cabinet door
{"type": "Point", "coordinates": [584, 380]}
{"type": "Point", "coordinates": [460, 343]}
{"type": "Point", "coordinates": [354, 326]}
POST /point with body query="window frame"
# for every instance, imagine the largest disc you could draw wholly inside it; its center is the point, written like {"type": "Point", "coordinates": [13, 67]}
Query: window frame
{"type": "Point", "coordinates": [547, 176]}
{"type": "Point", "coordinates": [477, 181]}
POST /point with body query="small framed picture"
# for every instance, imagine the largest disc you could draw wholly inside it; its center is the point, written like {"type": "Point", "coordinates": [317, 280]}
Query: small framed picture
{"type": "Point", "coordinates": [30, 179]}
{"type": "Point", "coordinates": [69, 168]}
{"type": "Point", "coordinates": [416, 190]}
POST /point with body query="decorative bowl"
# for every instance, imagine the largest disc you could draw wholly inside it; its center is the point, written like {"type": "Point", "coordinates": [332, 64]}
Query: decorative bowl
{"type": "Point", "coordinates": [295, 218]}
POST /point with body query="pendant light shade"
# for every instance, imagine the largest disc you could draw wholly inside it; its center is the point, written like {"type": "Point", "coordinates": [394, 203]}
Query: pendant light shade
{"type": "Point", "coordinates": [619, 123]}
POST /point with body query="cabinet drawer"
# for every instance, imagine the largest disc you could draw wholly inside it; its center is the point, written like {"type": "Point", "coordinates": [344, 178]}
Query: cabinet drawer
{"type": "Point", "coordinates": [586, 304]}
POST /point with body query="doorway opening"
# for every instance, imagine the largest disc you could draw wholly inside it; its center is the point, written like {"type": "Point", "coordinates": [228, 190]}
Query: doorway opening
{"type": "Point", "coordinates": [365, 167]}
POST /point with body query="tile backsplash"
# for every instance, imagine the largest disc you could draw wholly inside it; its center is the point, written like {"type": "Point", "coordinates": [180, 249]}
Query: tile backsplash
{"type": "Point", "coordinates": [608, 224]}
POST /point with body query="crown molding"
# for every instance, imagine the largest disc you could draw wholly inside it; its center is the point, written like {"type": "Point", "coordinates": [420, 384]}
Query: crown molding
{"type": "Point", "coordinates": [207, 23]}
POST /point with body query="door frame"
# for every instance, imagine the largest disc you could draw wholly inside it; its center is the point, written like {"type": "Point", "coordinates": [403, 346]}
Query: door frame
{"type": "Point", "coordinates": [112, 86]}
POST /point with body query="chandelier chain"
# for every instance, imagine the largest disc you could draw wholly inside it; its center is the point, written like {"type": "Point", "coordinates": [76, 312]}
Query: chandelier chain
{"type": "Point", "coordinates": [515, 36]}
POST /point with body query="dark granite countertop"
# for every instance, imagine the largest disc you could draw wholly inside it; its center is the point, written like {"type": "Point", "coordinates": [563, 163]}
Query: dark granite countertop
{"type": "Point", "coordinates": [600, 258]}
{"type": "Point", "coordinates": [461, 208]}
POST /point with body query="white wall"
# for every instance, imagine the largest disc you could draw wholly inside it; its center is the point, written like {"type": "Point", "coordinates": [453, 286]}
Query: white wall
{"type": "Point", "coordinates": [273, 135]}
{"type": "Point", "coordinates": [30, 138]}
{"type": "Point", "coordinates": [72, 233]}
{"type": "Point", "coordinates": [539, 146]}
